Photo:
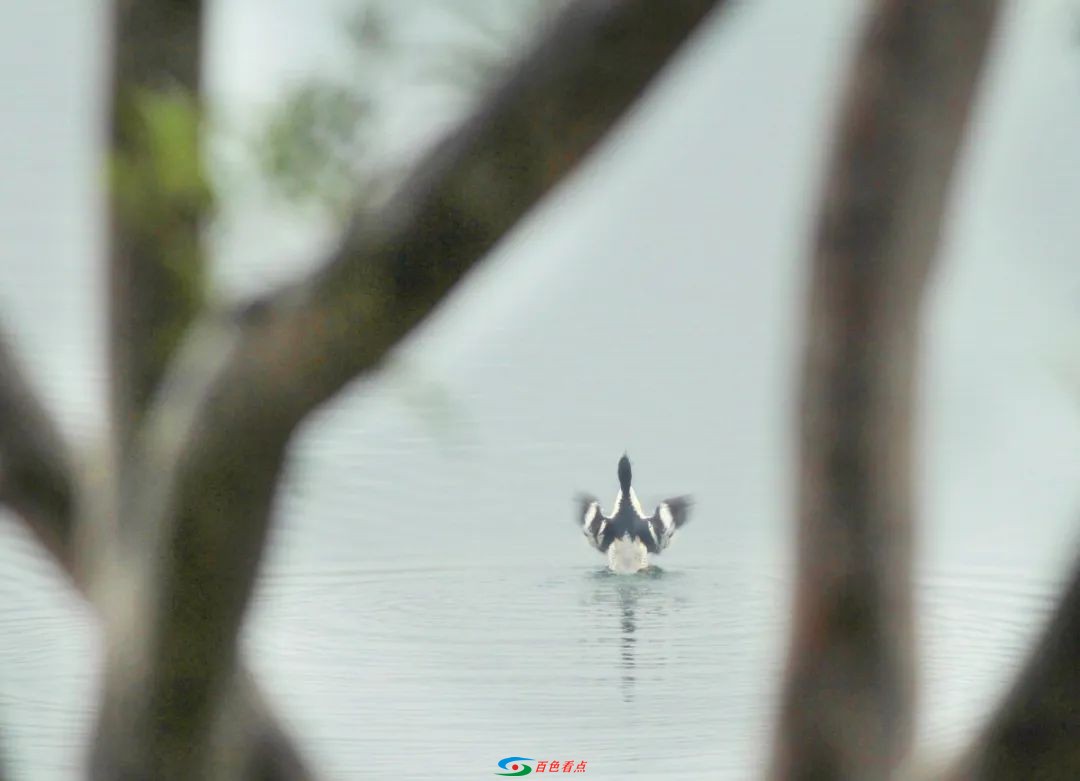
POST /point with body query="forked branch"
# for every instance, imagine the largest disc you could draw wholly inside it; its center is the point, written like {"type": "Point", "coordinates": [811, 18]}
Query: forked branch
{"type": "Point", "coordinates": [159, 203]}
{"type": "Point", "coordinates": [199, 483]}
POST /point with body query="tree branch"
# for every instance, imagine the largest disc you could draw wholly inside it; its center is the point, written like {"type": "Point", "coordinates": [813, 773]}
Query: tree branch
{"type": "Point", "coordinates": [1035, 732]}
{"type": "Point", "coordinates": [38, 483]}
{"type": "Point", "coordinates": [158, 197]}
{"type": "Point", "coordinates": [847, 704]}
{"type": "Point", "coordinates": [35, 473]}
{"type": "Point", "coordinates": [201, 481]}
{"type": "Point", "coordinates": [394, 266]}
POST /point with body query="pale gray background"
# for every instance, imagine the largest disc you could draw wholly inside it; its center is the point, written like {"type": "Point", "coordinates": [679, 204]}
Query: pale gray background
{"type": "Point", "coordinates": [427, 607]}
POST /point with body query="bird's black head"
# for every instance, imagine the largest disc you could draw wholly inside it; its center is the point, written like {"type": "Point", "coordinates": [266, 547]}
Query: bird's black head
{"type": "Point", "coordinates": [624, 473]}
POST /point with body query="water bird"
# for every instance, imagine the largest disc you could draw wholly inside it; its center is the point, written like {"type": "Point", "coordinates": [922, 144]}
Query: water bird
{"type": "Point", "coordinates": [628, 536]}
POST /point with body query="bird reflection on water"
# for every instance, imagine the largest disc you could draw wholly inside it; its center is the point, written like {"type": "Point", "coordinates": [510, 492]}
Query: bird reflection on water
{"type": "Point", "coordinates": [636, 596]}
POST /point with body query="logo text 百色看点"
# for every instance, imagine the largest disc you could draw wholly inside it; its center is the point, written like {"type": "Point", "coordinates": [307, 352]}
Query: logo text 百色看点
{"type": "Point", "coordinates": [516, 766]}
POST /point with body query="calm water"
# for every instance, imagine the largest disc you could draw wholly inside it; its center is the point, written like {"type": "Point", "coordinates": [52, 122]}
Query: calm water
{"type": "Point", "coordinates": [640, 677]}
{"type": "Point", "coordinates": [438, 667]}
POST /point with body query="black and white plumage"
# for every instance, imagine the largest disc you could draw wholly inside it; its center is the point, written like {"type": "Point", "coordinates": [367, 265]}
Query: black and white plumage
{"type": "Point", "coordinates": [628, 536]}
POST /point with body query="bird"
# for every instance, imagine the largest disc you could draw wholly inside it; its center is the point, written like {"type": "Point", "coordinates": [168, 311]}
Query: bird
{"type": "Point", "coordinates": [628, 536]}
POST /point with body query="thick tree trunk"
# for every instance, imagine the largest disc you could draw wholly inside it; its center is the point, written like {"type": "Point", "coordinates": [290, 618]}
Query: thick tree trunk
{"type": "Point", "coordinates": [847, 704]}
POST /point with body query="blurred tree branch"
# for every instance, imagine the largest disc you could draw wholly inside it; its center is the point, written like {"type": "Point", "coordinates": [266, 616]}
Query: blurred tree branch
{"type": "Point", "coordinates": [35, 473]}
{"type": "Point", "coordinates": [1035, 732]}
{"type": "Point", "coordinates": [159, 202]}
{"type": "Point", "coordinates": [38, 483]}
{"type": "Point", "coordinates": [847, 703]}
{"type": "Point", "coordinates": [198, 483]}
{"type": "Point", "coordinates": [159, 198]}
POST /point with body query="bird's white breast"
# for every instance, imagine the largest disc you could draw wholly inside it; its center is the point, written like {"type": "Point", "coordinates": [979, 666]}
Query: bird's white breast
{"type": "Point", "coordinates": [627, 555]}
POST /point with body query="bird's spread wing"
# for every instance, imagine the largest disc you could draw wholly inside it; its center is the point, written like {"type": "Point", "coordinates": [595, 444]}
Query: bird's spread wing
{"type": "Point", "coordinates": [594, 525]}
{"type": "Point", "coordinates": [671, 515]}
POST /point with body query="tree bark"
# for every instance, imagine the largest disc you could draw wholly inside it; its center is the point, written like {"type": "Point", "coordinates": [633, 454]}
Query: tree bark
{"type": "Point", "coordinates": [159, 201]}
{"type": "Point", "coordinates": [158, 197]}
{"type": "Point", "coordinates": [35, 470]}
{"type": "Point", "coordinates": [847, 702]}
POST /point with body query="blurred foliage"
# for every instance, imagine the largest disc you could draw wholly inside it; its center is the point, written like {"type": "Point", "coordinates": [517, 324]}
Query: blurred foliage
{"type": "Point", "coordinates": [318, 145]}
{"type": "Point", "coordinates": [155, 169]}
{"type": "Point", "coordinates": [313, 146]}
{"type": "Point", "coordinates": [435, 407]}
{"type": "Point", "coordinates": [162, 197]}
